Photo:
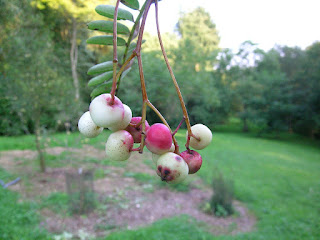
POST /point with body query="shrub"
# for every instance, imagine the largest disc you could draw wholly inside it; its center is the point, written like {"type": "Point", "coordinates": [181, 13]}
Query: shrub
{"type": "Point", "coordinates": [223, 193]}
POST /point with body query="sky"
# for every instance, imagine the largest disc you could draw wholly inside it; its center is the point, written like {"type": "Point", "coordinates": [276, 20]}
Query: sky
{"type": "Point", "coordinates": [266, 23]}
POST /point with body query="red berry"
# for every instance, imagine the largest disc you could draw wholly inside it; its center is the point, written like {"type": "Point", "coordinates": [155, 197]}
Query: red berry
{"type": "Point", "coordinates": [136, 131]}
{"type": "Point", "coordinates": [193, 159]}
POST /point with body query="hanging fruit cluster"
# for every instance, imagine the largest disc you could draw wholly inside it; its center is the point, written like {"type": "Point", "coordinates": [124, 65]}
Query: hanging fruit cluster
{"type": "Point", "coordinates": [106, 110]}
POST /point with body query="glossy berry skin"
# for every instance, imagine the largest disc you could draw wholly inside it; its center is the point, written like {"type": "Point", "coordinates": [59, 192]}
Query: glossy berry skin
{"type": "Point", "coordinates": [87, 127]}
{"type": "Point", "coordinates": [193, 159]}
{"type": "Point", "coordinates": [121, 125]}
{"type": "Point", "coordinates": [203, 133]}
{"type": "Point", "coordinates": [172, 168]}
{"type": "Point", "coordinates": [119, 146]}
{"type": "Point", "coordinates": [104, 113]}
{"type": "Point", "coordinates": [136, 131]}
{"type": "Point", "coordinates": [158, 138]}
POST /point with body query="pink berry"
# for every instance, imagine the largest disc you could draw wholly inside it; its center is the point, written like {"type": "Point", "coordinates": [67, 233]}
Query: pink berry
{"type": "Point", "coordinates": [193, 159]}
{"type": "Point", "coordinates": [158, 139]}
{"type": "Point", "coordinates": [136, 131]}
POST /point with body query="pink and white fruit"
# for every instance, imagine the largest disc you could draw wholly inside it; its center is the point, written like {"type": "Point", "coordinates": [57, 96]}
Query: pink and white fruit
{"type": "Point", "coordinates": [158, 138]}
{"type": "Point", "coordinates": [136, 131]}
{"type": "Point", "coordinates": [172, 168]}
{"type": "Point", "coordinates": [125, 122]}
{"type": "Point", "coordinates": [204, 135]}
{"type": "Point", "coordinates": [119, 146]}
{"type": "Point", "coordinates": [104, 113]}
{"type": "Point", "coordinates": [193, 159]}
{"type": "Point", "coordinates": [87, 127]}
{"type": "Point", "coordinates": [155, 157]}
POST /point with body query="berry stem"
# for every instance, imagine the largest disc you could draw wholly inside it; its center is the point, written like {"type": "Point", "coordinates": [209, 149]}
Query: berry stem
{"type": "Point", "coordinates": [115, 54]}
{"type": "Point", "coordinates": [137, 51]}
{"type": "Point", "coordinates": [175, 131]}
{"type": "Point", "coordinates": [130, 38]}
{"type": "Point", "coordinates": [183, 106]}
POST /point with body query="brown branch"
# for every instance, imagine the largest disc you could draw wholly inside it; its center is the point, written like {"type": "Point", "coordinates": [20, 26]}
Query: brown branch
{"type": "Point", "coordinates": [183, 106]}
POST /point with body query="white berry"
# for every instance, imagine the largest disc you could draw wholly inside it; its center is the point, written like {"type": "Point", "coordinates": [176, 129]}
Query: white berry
{"type": "Point", "coordinates": [87, 127]}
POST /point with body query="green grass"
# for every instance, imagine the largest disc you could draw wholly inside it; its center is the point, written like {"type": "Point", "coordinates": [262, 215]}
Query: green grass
{"type": "Point", "coordinates": [18, 220]}
{"type": "Point", "coordinates": [278, 179]}
{"type": "Point", "coordinates": [180, 227]}
{"type": "Point", "coordinates": [75, 140]}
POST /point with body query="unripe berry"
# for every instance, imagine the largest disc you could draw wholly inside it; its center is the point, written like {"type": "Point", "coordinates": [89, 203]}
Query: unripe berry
{"type": "Point", "coordinates": [155, 157]}
{"type": "Point", "coordinates": [87, 127]}
{"type": "Point", "coordinates": [193, 159]}
{"type": "Point", "coordinates": [104, 113]}
{"type": "Point", "coordinates": [204, 135]}
{"type": "Point", "coordinates": [125, 122]}
{"type": "Point", "coordinates": [119, 146]}
{"type": "Point", "coordinates": [136, 131]}
{"type": "Point", "coordinates": [158, 139]}
{"type": "Point", "coordinates": [172, 168]}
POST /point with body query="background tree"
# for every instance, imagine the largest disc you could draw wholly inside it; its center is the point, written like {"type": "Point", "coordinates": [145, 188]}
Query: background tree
{"type": "Point", "coordinates": [34, 87]}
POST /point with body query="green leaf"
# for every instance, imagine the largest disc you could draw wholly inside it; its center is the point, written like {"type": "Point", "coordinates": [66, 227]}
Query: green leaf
{"type": "Point", "coordinates": [100, 68]}
{"type": "Point", "coordinates": [107, 26]}
{"type": "Point", "coordinates": [108, 11]}
{"type": "Point", "coordinates": [105, 40]}
{"type": "Point", "coordinates": [134, 4]}
{"type": "Point", "coordinates": [100, 79]}
{"type": "Point", "coordinates": [125, 73]}
{"type": "Point", "coordinates": [102, 88]}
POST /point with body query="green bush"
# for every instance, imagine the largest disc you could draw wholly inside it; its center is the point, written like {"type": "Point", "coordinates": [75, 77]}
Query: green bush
{"type": "Point", "coordinates": [223, 194]}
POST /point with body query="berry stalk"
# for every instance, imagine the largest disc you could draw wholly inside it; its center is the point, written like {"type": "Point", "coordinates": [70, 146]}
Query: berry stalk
{"type": "Point", "coordinates": [115, 54]}
{"type": "Point", "coordinates": [183, 106]}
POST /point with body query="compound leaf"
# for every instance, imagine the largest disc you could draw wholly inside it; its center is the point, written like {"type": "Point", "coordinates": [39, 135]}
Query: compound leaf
{"type": "Point", "coordinates": [102, 88]}
{"type": "Point", "coordinates": [108, 11]}
{"type": "Point", "coordinates": [105, 40]}
{"type": "Point", "coordinates": [134, 4]}
{"type": "Point", "coordinates": [100, 79]}
{"type": "Point", "coordinates": [100, 68]}
{"type": "Point", "coordinates": [107, 26]}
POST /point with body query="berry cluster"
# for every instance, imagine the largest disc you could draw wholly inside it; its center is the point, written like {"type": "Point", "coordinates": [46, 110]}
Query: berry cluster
{"type": "Point", "coordinates": [109, 112]}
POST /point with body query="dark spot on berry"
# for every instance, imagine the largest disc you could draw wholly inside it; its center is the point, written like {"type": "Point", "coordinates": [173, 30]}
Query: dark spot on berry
{"type": "Point", "coordinates": [159, 168]}
{"type": "Point", "coordinates": [178, 158]}
{"type": "Point", "coordinates": [166, 172]}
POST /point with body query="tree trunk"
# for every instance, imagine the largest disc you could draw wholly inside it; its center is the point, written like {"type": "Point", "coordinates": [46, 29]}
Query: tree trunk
{"type": "Point", "coordinates": [74, 59]}
{"type": "Point", "coordinates": [245, 125]}
{"type": "Point", "coordinates": [38, 145]}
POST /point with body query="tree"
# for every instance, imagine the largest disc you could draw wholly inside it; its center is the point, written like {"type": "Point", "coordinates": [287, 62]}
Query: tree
{"type": "Point", "coordinates": [34, 87]}
{"type": "Point", "coordinates": [68, 18]}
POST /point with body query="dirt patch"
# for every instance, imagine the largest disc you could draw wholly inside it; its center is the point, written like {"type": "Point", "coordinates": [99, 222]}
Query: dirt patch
{"type": "Point", "coordinates": [124, 202]}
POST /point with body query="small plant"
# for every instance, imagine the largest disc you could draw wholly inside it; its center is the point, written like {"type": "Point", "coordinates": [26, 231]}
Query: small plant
{"type": "Point", "coordinates": [223, 193]}
{"type": "Point", "coordinates": [107, 110]}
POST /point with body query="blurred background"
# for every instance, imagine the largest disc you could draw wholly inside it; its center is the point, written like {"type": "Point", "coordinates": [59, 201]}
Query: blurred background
{"type": "Point", "coordinates": [250, 71]}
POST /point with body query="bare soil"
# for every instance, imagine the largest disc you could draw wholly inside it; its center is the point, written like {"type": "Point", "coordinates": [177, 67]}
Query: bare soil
{"type": "Point", "coordinates": [125, 202]}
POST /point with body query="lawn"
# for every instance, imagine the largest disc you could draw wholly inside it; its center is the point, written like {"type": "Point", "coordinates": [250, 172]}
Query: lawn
{"type": "Point", "coordinates": [277, 179]}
